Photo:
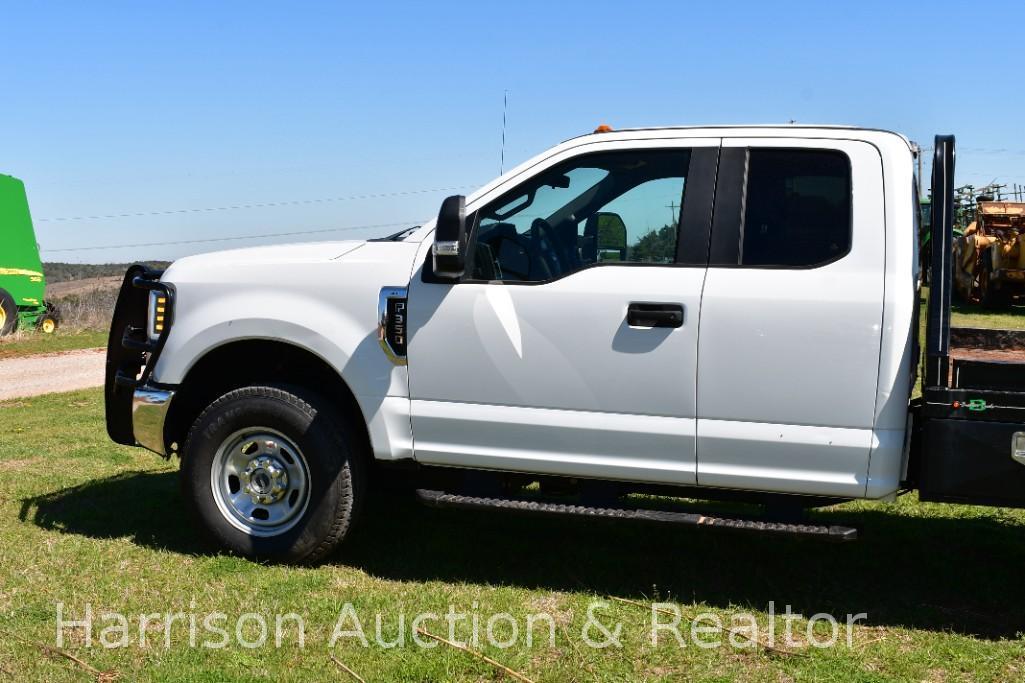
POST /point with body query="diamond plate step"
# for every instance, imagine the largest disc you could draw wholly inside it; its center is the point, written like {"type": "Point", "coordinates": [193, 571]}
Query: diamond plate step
{"type": "Point", "coordinates": [441, 499]}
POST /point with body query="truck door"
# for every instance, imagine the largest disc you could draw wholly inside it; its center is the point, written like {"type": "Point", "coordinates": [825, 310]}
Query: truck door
{"type": "Point", "coordinates": [570, 345]}
{"type": "Point", "coordinates": [791, 317]}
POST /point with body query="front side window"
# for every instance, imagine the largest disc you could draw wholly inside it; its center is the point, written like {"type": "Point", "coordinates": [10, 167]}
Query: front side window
{"type": "Point", "coordinates": [797, 208]}
{"type": "Point", "coordinates": [616, 207]}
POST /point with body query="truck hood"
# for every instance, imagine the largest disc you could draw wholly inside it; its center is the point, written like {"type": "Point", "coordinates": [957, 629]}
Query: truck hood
{"type": "Point", "coordinates": [306, 252]}
{"type": "Point", "coordinates": [201, 266]}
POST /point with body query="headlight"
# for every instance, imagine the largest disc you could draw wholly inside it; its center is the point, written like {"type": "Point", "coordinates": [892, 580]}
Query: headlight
{"type": "Point", "coordinates": [159, 315]}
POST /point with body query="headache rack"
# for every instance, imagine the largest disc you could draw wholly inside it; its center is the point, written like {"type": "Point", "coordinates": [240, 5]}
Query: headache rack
{"type": "Point", "coordinates": [969, 434]}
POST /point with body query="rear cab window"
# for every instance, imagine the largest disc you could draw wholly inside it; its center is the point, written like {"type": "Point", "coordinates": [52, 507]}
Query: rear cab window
{"type": "Point", "coordinates": [796, 208]}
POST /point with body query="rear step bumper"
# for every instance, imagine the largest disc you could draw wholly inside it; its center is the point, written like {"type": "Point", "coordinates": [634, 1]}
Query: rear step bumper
{"type": "Point", "coordinates": [440, 499]}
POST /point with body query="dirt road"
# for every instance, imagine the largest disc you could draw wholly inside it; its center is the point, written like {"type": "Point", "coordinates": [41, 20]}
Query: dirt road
{"type": "Point", "coordinates": [47, 373]}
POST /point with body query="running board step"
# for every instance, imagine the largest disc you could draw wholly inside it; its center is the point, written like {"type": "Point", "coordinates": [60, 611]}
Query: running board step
{"type": "Point", "coordinates": [440, 499]}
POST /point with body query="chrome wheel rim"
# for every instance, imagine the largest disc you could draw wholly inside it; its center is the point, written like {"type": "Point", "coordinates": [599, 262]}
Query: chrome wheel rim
{"type": "Point", "coordinates": [260, 481]}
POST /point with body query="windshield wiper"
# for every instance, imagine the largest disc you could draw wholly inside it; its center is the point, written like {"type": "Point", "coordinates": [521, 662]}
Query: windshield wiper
{"type": "Point", "coordinates": [397, 237]}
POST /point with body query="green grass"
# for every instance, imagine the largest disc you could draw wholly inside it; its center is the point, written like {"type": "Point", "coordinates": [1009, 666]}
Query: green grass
{"type": "Point", "coordinates": [31, 343]}
{"type": "Point", "coordinates": [973, 315]}
{"type": "Point", "coordinates": [970, 315]}
{"type": "Point", "coordinates": [85, 521]}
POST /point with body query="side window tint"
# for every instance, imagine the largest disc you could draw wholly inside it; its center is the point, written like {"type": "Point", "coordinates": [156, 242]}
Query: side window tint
{"type": "Point", "coordinates": [599, 208]}
{"type": "Point", "coordinates": [797, 208]}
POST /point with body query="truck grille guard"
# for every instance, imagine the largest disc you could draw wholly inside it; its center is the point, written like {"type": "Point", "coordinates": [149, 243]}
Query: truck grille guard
{"type": "Point", "coordinates": [131, 354]}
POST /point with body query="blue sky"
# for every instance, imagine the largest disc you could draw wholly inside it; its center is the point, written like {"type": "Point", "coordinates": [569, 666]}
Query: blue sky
{"type": "Point", "coordinates": [114, 108]}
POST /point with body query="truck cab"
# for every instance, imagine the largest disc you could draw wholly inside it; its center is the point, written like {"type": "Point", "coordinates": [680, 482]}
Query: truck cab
{"type": "Point", "coordinates": [715, 312]}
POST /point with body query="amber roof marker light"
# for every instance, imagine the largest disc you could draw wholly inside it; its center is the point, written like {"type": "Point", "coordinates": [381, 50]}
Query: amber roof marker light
{"type": "Point", "coordinates": [603, 128]}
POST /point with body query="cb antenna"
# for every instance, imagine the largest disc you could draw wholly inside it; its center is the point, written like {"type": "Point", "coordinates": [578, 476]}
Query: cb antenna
{"type": "Point", "coordinates": [505, 108]}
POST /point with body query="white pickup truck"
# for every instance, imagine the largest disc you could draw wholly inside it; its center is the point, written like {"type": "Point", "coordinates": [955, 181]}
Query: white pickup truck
{"type": "Point", "coordinates": [712, 313]}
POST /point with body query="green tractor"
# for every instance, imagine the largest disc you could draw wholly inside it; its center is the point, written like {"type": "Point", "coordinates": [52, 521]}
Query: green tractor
{"type": "Point", "coordinates": [22, 283]}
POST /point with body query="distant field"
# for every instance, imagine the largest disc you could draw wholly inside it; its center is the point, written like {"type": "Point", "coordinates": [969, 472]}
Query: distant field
{"type": "Point", "coordinates": [85, 304]}
{"type": "Point", "coordinates": [66, 288]}
{"type": "Point", "coordinates": [86, 522]}
{"type": "Point", "coordinates": [63, 272]}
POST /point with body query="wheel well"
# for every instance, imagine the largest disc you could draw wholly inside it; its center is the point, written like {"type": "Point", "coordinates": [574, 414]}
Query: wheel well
{"type": "Point", "coordinates": [251, 362]}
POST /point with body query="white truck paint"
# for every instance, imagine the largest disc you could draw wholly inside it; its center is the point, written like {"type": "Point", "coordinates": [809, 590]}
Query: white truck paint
{"type": "Point", "coordinates": [784, 396]}
{"type": "Point", "coordinates": [780, 380]}
{"type": "Point", "coordinates": [320, 297]}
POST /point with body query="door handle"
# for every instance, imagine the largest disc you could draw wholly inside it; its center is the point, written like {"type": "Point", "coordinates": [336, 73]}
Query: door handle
{"type": "Point", "coordinates": [654, 315]}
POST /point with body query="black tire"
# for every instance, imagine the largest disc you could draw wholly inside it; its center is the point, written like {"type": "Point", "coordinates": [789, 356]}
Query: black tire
{"type": "Point", "coordinates": [10, 310]}
{"type": "Point", "coordinates": [333, 456]}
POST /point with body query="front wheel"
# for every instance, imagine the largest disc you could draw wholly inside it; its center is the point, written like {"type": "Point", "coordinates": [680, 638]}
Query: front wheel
{"type": "Point", "coordinates": [47, 323]}
{"type": "Point", "coordinates": [272, 473]}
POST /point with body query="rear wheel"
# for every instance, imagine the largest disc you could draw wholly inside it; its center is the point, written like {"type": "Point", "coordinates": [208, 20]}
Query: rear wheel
{"type": "Point", "coordinates": [8, 313]}
{"type": "Point", "coordinates": [272, 473]}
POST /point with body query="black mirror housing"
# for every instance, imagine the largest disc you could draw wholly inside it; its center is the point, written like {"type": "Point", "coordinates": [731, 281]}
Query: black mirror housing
{"type": "Point", "coordinates": [450, 238]}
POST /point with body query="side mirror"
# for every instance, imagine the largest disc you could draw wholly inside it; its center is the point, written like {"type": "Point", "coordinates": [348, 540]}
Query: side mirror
{"type": "Point", "coordinates": [604, 232]}
{"type": "Point", "coordinates": [450, 238]}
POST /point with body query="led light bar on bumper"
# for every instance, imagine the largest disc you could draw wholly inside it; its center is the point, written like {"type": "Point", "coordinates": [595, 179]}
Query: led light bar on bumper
{"type": "Point", "coordinates": [159, 314]}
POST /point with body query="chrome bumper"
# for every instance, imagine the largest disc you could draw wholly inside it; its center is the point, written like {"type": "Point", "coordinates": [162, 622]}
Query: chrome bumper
{"type": "Point", "coordinates": [149, 411]}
